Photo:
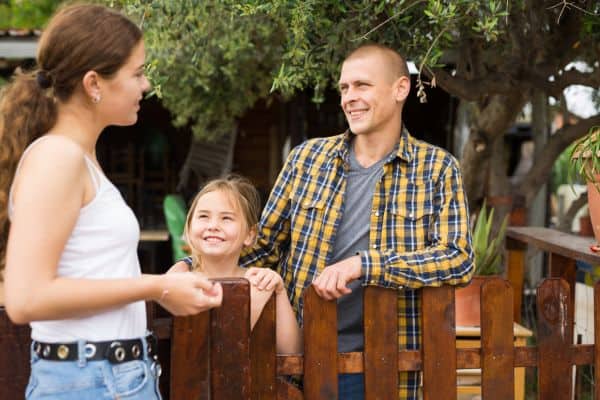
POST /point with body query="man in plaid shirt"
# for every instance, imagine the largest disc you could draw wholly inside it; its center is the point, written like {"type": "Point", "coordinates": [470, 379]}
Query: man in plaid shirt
{"type": "Point", "coordinates": [372, 206]}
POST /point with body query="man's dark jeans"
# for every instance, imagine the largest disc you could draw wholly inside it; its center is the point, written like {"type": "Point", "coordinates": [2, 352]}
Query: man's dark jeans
{"type": "Point", "coordinates": [351, 386]}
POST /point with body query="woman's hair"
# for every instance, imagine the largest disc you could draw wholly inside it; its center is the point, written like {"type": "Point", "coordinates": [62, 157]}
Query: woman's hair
{"type": "Point", "coordinates": [78, 39]}
{"type": "Point", "coordinates": [244, 195]}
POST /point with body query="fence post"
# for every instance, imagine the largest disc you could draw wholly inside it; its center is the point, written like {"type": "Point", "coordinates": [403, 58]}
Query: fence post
{"type": "Point", "coordinates": [555, 339]}
{"type": "Point", "coordinates": [210, 352]}
{"type": "Point", "coordinates": [439, 343]}
{"type": "Point", "coordinates": [230, 342]}
{"type": "Point", "coordinates": [381, 343]}
{"type": "Point", "coordinates": [189, 357]}
{"type": "Point", "coordinates": [320, 347]}
{"type": "Point", "coordinates": [497, 355]}
{"type": "Point", "coordinates": [565, 268]}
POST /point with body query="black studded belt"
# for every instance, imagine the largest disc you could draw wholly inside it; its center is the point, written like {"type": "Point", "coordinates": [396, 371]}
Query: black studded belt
{"type": "Point", "coordinates": [115, 351]}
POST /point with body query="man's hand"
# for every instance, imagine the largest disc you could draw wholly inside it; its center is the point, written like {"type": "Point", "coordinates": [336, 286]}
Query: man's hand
{"type": "Point", "coordinates": [331, 283]}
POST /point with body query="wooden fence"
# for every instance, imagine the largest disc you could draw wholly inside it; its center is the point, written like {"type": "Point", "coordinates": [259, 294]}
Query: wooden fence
{"type": "Point", "coordinates": [214, 355]}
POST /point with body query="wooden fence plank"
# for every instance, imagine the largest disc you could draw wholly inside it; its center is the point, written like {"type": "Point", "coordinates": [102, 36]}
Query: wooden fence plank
{"type": "Point", "coordinates": [439, 343]}
{"type": "Point", "coordinates": [189, 378]}
{"type": "Point", "coordinates": [565, 268]}
{"type": "Point", "coordinates": [381, 343]}
{"type": "Point", "coordinates": [555, 337]}
{"type": "Point", "coordinates": [320, 347]}
{"type": "Point", "coordinates": [263, 355]}
{"type": "Point", "coordinates": [14, 357]}
{"type": "Point", "coordinates": [497, 358]}
{"type": "Point", "coordinates": [230, 342]}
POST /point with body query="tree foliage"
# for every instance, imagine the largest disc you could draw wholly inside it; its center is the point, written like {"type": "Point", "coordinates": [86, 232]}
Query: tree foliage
{"type": "Point", "coordinates": [26, 14]}
{"type": "Point", "coordinates": [207, 61]}
{"type": "Point", "coordinates": [212, 59]}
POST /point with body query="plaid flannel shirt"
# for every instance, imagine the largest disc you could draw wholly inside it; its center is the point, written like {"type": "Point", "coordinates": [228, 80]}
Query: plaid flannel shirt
{"type": "Point", "coordinates": [419, 234]}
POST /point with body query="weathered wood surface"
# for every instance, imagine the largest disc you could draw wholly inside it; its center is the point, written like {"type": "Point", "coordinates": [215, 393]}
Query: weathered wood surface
{"type": "Point", "coordinates": [189, 377]}
{"type": "Point", "coordinates": [210, 352]}
{"type": "Point", "coordinates": [230, 343]}
{"type": "Point", "coordinates": [244, 365]}
{"type": "Point", "coordinates": [497, 358]}
{"type": "Point", "coordinates": [263, 355]}
{"type": "Point", "coordinates": [438, 343]}
{"type": "Point", "coordinates": [554, 337]}
{"type": "Point", "coordinates": [553, 241]}
{"type": "Point", "coordinates": [381, 350]}
{"type": "Point", "coordinates": [320, 347]}
{"type": "Point", "coordinates": [563, 248]}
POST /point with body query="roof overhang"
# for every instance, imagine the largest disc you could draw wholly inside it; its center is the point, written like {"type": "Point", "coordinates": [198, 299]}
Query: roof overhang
{"type": "Point", "coordinates": [18, 48]}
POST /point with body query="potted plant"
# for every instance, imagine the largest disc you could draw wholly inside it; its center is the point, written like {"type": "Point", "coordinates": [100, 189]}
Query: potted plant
{"type": "Point", "coordinates": [488, 258]}
{"type": "Point", "coordinates": [585, 163]}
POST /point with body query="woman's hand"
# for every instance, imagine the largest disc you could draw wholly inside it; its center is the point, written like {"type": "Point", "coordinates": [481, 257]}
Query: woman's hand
{"type": "Point", "coordinates": [179, 266]}
{"type": "Point", "coordinates": [188, 293]}
{"type": "Point", "coordinates": [265, 279]}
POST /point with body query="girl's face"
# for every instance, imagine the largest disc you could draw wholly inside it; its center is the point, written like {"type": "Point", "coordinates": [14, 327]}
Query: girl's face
{"type": "Point", "coordinates": [121, 94]}
{"type": "Point", "coordinates": [218, 228]}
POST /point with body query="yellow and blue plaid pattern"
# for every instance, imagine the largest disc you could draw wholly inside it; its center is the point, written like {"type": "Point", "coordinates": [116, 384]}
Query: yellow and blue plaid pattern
{"type": "Point", "coordinates": [419, 234]}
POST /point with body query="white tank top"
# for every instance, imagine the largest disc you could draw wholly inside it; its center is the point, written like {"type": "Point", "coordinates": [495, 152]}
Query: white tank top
{"type": "Point", "coordinates": [102, 245]}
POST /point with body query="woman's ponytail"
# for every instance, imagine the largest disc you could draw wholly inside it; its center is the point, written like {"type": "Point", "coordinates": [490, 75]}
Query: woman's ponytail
{"type": "Point", "coordinates": [27, 111]}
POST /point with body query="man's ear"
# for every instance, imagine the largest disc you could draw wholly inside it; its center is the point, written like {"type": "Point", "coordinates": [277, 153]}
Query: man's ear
{"type": "Point", "coordinates": [401, 89]}
{"type": "Point", "coordinates": [251, 238]}
{"type": "Point", "coordinates": [91, 84]}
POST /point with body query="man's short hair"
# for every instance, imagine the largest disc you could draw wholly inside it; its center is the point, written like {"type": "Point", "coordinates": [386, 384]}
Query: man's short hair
{"type": "Point", "coordinates": [395, 60]}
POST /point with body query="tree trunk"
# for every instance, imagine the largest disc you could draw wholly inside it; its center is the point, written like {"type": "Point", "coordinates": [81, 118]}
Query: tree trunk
{"type": "Point", "coordinates": [483, 159]}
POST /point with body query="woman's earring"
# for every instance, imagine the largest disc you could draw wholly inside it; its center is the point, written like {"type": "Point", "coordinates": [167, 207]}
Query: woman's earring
{"type": "Point", "coordinates": [96, 99]}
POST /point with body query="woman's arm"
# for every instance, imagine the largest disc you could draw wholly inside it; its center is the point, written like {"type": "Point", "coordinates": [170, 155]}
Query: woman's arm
{"type": "Point", "coordinates": [47, 205]}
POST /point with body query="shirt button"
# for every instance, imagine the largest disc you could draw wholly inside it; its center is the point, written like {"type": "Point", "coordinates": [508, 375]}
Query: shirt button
{"type": "Point", "coordinates": [374, 246]}
{"type": "Point", "coordinates": [377, 213]}
{"type": "Point", "coordinates": [412, 215]}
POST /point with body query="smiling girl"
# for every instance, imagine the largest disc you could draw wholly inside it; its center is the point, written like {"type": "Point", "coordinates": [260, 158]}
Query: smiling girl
{"type": "Point", "coordinates": [222, 221]}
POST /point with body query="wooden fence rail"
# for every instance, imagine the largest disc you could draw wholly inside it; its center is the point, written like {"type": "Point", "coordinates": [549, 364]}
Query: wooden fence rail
{"type": "Point", "coordinates": [438, 358]}
{"type": "Point", "coordinates": [214, 355]}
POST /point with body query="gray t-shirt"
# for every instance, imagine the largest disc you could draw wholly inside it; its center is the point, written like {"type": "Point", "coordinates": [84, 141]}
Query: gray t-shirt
{"type": "Point", "coordinates": [353, 236]}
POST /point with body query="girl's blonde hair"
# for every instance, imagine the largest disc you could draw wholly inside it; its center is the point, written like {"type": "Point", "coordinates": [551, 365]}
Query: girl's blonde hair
{"type": "Point", "coordinates": [245, 196]}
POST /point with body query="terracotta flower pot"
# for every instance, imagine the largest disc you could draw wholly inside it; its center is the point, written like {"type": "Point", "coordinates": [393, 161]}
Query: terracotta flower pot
{"type": "Point", "coordinates": [594, 207]}
{"type": "Point", "coordinates": [467, 303]}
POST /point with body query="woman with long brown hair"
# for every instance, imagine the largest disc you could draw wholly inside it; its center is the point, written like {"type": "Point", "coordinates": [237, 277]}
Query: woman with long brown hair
{"type": "Point", "coordinates": [71, 256]}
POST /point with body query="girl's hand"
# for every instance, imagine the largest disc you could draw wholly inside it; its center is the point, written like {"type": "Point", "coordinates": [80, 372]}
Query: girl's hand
{"type": "Point", "coordinates": [265, 279]}
{"type": "Point", "coordinates": [188, 293]}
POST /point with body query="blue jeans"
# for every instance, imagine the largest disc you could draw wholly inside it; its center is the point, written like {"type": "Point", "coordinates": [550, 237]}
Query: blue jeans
{"type": "Point", "coordinates": [351, 386]}
{"type": "Point", "coordinates": [92, 380]}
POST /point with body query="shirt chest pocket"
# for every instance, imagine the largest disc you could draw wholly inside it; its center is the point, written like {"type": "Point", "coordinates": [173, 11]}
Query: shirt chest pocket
{"type": "Point", "coordinates": [411, 222]}
{"type": "Point", "coordinates": [307, 218]}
